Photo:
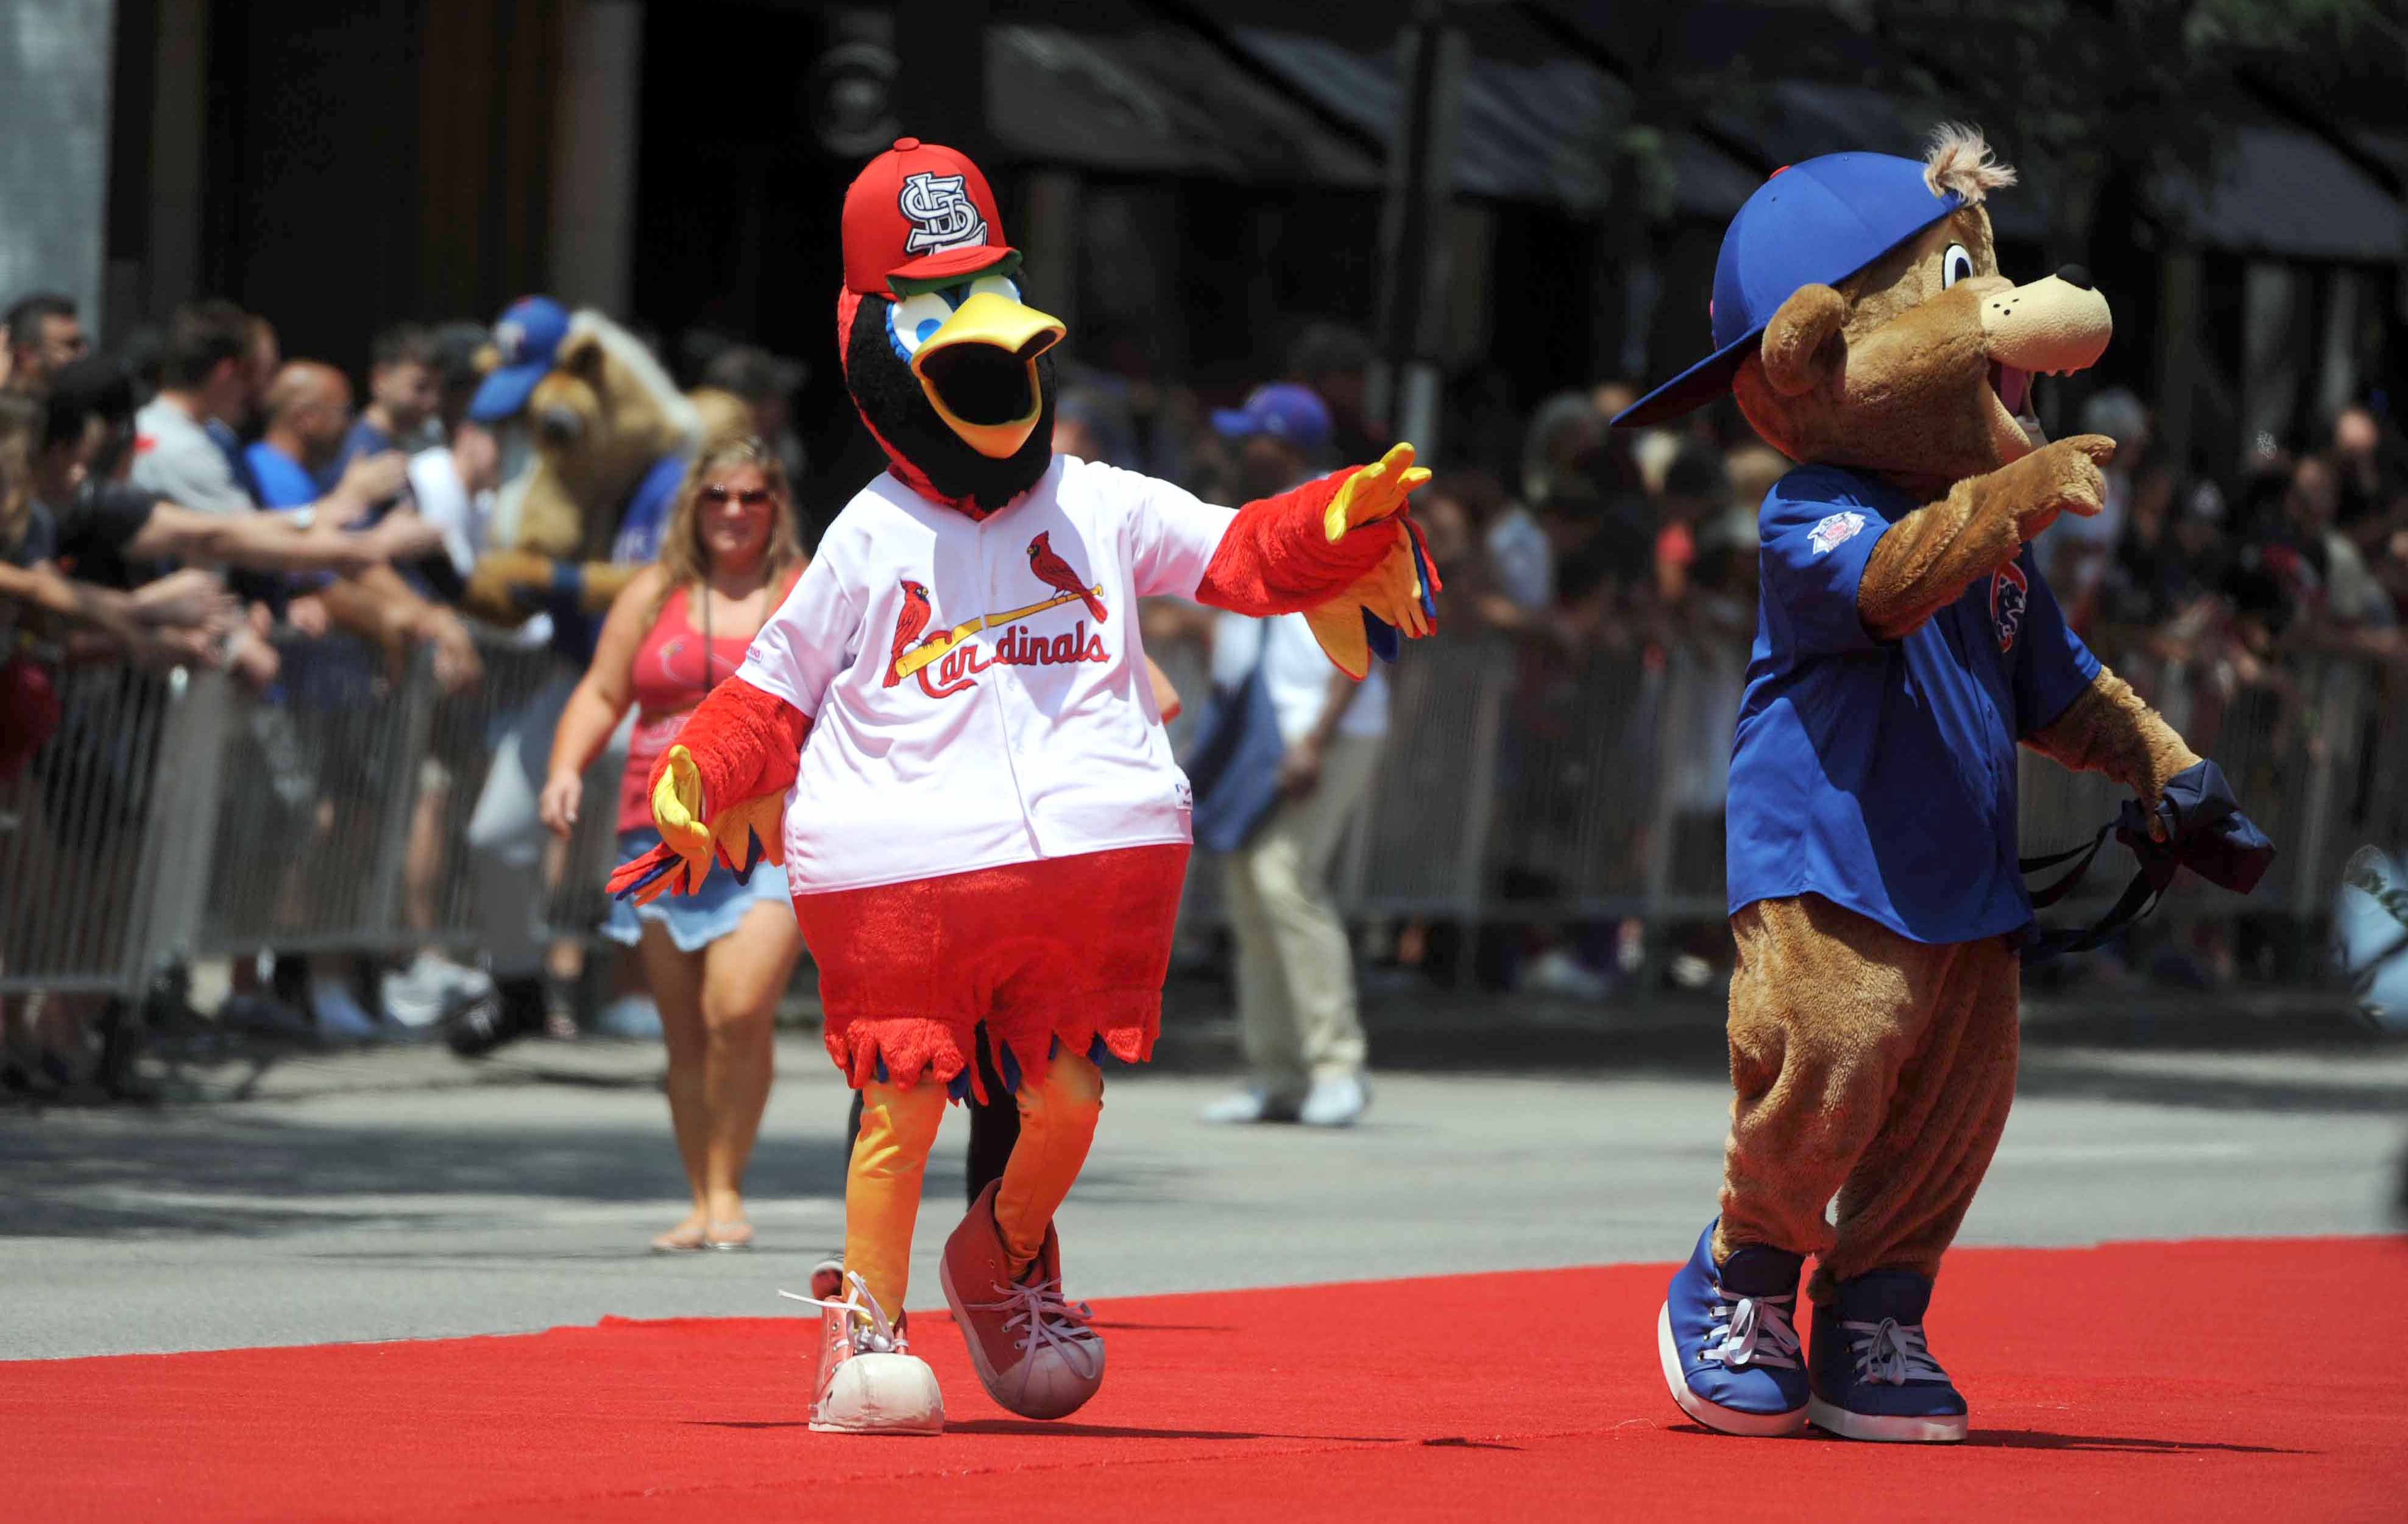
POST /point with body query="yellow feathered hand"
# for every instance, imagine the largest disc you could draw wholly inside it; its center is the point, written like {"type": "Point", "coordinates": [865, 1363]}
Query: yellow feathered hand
{"type": "Point", "coordinates": [1398, 594]}
{"type": "Point", "coordinates": [740, 837]}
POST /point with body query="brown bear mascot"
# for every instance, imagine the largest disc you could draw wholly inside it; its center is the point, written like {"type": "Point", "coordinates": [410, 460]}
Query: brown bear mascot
{"type": "Point", "coordinates": [1906, 645]}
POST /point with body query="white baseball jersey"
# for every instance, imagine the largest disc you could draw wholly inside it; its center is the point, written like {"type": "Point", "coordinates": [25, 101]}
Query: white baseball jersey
{"type": "Point", "coordinates": [1027, 729]}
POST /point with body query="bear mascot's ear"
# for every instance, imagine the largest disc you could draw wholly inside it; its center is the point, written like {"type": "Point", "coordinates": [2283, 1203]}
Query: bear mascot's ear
{"type": "Point", "coordinates": [1802, 348]}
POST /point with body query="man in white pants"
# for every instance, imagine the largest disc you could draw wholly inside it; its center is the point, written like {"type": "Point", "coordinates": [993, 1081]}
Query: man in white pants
{"type": "Point", "coordinates": [1302, 1033]}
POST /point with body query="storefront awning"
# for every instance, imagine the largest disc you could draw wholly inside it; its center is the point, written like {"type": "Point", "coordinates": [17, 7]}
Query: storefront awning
{"type": "Point", "coordinates": [1286, 107]}
{"type": "Point", "coordinates": [2284, 193]}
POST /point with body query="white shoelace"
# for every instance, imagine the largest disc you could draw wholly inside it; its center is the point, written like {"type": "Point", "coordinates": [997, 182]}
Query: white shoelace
{"type": "Point", "coordinates": [1044, 1316]}
{"type": "Point", "coordinates": [872, 1335]}
{"type": "Point", "coordinates": [1753, 1331]}
{"type": "Point", "coordinates": [1891, 1353]}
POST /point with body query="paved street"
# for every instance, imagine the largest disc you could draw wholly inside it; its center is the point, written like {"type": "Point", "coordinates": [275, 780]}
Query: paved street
{"type": "Point", "coordinates": [400, 1193]}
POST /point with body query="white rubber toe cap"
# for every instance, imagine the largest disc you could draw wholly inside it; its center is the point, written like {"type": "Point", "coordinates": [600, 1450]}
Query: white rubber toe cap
{"type": "Point", "coordinates": [882, 1394]}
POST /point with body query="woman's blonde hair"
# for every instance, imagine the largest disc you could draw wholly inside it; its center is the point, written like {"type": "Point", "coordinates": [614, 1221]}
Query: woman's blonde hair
{"type": "Point", "coordinates": [20, 432]}
{"type": "Point", "coordinates": [684, 556]}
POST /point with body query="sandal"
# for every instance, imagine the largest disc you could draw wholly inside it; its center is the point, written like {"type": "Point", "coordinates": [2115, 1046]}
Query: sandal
{"type": "Point", "coordinates": [680, 1240]}
{"type": "Point", "coordinates": [736, 1235]}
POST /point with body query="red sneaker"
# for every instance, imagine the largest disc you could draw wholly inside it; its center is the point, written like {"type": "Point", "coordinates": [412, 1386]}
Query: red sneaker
{"type": "Point", "coordinates": [869, 1380]}
{"type": "Point", "coordinates": [1034, 1351]}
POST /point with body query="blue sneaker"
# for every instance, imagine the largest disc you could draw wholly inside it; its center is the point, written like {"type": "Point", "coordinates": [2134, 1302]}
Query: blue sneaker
{"type": "Point", "coordinates": [1728, 1343]}
{"type": "Point", "coordinates": [1873, 1377]}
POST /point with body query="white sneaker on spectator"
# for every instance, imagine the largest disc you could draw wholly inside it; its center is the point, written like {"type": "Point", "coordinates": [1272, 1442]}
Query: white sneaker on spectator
{"type": "Point", "coordinates": [1335, 1101]}
{"type": "Point", "coordinates": [1556, 972]}
{"type": "Point", "coordinates": [336, 1013]}
{"type": "Point", "coordinates": [1689, 972]}
{"type": "Point", "coordinates": [1254, 1104]}
{"type": "Point", "coordinates": [431, 989]}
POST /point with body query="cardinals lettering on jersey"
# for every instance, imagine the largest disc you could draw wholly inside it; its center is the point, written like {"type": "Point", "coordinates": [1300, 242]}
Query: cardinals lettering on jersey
{"type": "Point", "coordinates": [953, 652]}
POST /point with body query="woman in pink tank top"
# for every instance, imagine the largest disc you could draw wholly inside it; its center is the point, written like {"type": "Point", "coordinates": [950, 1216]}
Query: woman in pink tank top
{"type": "Point", "coordinates": [718, 959]}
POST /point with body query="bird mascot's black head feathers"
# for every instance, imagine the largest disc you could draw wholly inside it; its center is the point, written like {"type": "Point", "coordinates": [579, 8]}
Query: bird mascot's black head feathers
{"type": "Point", "coordinates": [949, 369]}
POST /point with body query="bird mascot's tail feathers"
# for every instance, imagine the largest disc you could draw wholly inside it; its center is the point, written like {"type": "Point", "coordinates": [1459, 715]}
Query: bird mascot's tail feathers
{"type": "Point", "coordinates": [743, 745]}
{"type": "Point", "coordinates": [1342, 551]}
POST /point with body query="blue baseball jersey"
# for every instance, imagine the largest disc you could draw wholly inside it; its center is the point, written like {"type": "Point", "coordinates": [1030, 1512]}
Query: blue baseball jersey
{"type": "Point", "coordinates": [646, 512]}
{"type": "Point", "coordinates": [1880, 775]}
{"type": "Point", "coordinates": [642, 522]}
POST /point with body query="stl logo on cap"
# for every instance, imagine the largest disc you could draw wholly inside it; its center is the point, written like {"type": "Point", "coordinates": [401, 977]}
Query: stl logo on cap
{"type": "Point", "coordinates": [941, 213]}
{"type": "Point", "coordinates": [919, 213]}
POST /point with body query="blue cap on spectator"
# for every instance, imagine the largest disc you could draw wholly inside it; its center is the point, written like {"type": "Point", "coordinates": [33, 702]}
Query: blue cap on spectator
{"type": "Point", "coordinates": [1816, 223]}
{"type": "Point", "coordinates": [1283, 410]}
{"type": "Point", "coordinates": [528, 335]}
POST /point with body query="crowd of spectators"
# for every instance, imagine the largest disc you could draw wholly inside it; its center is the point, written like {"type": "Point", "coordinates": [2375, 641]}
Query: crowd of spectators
{"type": "Point", "coordinates": [199, 498]}
{"type": "Point", "coordinates": [200, 501]}
{"type": "Point", "coordinates": [1597, 556]}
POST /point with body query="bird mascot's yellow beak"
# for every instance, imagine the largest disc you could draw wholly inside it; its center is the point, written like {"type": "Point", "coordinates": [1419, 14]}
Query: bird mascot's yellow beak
{"type": "Point", "coordinates": [980, 370]}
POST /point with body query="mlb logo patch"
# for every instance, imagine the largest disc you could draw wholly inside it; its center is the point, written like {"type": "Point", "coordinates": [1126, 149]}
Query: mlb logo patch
{"type": "Point", "coordinates": [2010, 590]}
{"type": "Point", "coordinates": [1835, 530]}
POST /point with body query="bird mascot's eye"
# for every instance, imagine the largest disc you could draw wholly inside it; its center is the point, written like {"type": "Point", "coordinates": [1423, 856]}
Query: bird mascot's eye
{"type": "Point", "coordinates": [994, 285]}
{"type": "Point", "coordinates": [911, 320]}
{"type": "Point", "coordinates": [1955, 266]}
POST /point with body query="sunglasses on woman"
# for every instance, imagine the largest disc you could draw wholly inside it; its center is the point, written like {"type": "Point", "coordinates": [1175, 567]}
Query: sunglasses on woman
{"type": "Point", "coordinates": [719, 497]}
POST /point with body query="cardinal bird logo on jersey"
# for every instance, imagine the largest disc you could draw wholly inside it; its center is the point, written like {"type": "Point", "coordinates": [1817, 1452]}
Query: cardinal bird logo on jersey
{"type": "Point", "coordinates": [908, 626]}
{"type": "Point", "coordinates": [1056, 574]}
{"type": "Point", "coordinates": [2010, 590]}
{"type": "Point", "coordinates": [948, 660]}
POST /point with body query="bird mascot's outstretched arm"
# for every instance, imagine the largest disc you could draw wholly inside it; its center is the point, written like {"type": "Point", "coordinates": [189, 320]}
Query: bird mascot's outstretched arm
{"type": "Point", "coordinates": [1344, 552]}
{"type": "Point", "coordinates": [719, 791]}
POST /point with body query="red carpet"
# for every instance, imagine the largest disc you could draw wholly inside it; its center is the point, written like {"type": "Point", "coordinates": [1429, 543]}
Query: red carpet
{"type": "Point", "coordinates": [2244, 1380]}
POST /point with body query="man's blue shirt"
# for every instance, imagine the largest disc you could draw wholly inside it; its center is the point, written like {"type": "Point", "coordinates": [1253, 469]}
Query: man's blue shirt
{"type": "Point", "coordinates": [364, 438]}
{"type": "Point", "coordinates": [317, 674]}
{"type": "Point", "coordinates": [278, 479]}
{"type": "Point", "coordinates": [1880, 775]}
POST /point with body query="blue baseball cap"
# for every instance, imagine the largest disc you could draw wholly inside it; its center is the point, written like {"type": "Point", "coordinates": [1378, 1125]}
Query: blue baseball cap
{"type": "Point", "coordinates": [527, 336]}
{"type": "Point", "coordinates": [1816, 223]}
{"type": "Point", "coordinates": [1283, 410]}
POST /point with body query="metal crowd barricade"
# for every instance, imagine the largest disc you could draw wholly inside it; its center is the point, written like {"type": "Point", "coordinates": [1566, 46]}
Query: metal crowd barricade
{"type": "Point", "coordinates": [1427, 833]}
{"type": "Point", "coordinates": [1521, 784]}
{"type": "Point", "coordinates": [2310, 747]}
{"type": "Point", "coordinates": [87, 835]}
{"type": "Point", "coordinates": [177, 816]}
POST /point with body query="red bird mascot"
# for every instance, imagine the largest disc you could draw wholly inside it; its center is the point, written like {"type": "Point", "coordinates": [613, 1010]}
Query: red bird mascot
{"type": "Point", "coordinates": [947, 736]}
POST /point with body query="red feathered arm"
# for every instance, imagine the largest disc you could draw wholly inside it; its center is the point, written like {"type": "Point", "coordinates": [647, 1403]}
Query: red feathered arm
{"type": "Point", "coordinates": [743, 747]}
{"type": "Point", "coordinates": [1278, 559]}
{"type": "Point", "coordinates": [744, 741]}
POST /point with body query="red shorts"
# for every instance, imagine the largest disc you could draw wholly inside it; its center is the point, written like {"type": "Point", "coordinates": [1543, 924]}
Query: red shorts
{"type": "Point", "coordinates": [1071, 948]}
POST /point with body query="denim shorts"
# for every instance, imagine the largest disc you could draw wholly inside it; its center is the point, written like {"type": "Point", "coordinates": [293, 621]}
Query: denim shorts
{"type": "Point", "coordinates": [694, 920]}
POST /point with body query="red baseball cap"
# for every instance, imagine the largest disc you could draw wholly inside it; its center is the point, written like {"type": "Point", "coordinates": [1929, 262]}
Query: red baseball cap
{"type": "Point", "coordinates": [919, 212]}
